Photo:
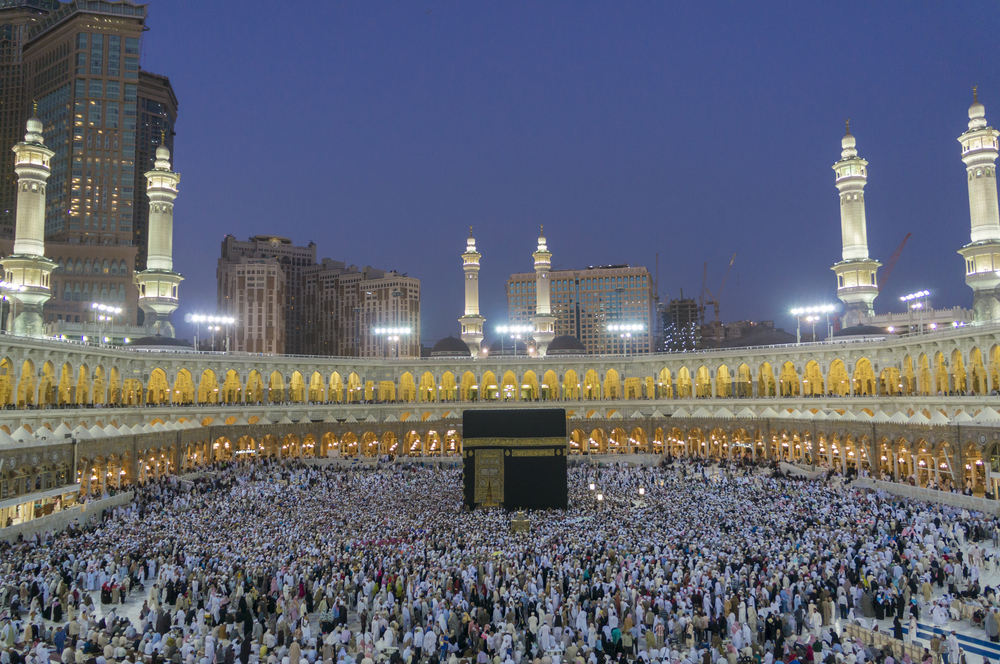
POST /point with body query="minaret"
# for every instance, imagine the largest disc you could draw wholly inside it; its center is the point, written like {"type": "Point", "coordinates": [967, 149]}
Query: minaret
{"type": "Point", "coordinates": [158, 283]}
{"type": "Point", "coordinates": [982, 254]}
{"type": "Point", "coordinates": [545, 322]}
{"type": "Point", "coordinates": [27, 269]}
{"type": "Point", "coordinates": [472, 322]}
{"type": "Point", "coordinates": [857, 287]}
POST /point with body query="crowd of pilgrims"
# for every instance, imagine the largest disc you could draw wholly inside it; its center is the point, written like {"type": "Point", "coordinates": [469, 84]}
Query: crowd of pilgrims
{"type": "Point", "coordinates": [283, 563]}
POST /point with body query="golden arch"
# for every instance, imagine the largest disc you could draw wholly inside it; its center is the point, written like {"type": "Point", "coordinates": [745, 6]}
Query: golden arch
{"type": "Point", "coordinates": [789, 380]}
{"type": "Point", "coordinates": [183, 392]}
{"type": "Point", "coordinates": [407, 388]}
{"type": "Point", "coordinates": [529, 387]}
{"type": "Point", "coordinates": [664, 385]}
{"type": "Point", "coordinates": [864, 377]}
{"type": "Point", "coordinates": [336, 389]}
{"type": "Point", "coordinates": [612, 385]}
{"type": "Point", "coordinates": [208, 387]}
{"type": "Point", "coordinates": [723, 382]}
{"type": "Point", "coordinates": [276, 387]}
{"type": "Point", "coordinates": [427, 390]}
{"type": "Point", "coordinates": [488, 388]}
{"type": "Point", "coordinates": [703, 383]}
{"type": "Point", "coordinates": [296, 388]}
{"type": "Point", "coordinates": [813, 384]}
{"type": "Point", "coordinates": [766, 385]}
{"type": "Point", "coordinates": [158, 391]}
{"type": "Point", "coordinates": [571, 386]}
{"type": "Point", "coordinates": [469, 390]}
{"type": "Point", "coordinates": [316, 393]}
{"type": "Point", "coordinates": [550, 386]}
{"type": "Point", "coordinates": [448, 389]}
{"type": "Point", "coordinates": [255, 387]}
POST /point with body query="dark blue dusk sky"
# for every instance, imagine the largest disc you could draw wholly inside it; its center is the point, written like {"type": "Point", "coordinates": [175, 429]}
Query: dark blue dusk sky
{"type": "Point", "coordinates": [381, 130]}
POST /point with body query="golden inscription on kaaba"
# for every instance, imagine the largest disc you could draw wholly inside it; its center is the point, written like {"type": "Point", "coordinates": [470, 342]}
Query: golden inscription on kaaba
{"type": "Point", "coordinates": [489, 476]}
{"type": "Point", "coordinates": [534, 453]}
{"type": "Point", "coordinates": [513, 442]}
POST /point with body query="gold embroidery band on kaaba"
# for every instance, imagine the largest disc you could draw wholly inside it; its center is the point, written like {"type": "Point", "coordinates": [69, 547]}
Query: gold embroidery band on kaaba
{"type": "Point", "coordinates": [535, 453]}
{"type": "Point", "coordinates": [514, 442]}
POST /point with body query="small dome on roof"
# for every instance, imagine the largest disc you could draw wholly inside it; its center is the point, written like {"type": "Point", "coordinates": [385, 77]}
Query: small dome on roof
{"type": "Point", "coordinates": [566, 344]}
{"type": "Point", "coordinates": [450, 347]}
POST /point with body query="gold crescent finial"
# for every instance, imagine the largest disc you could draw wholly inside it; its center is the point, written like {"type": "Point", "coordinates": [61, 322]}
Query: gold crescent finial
{"type": "Point", "coordinates": [163, 136]}
{"type": "Point", "coordinates": [34, 107]}
{"type": "Point", "coordinates": [470, 231]}
{"type": "Point", "coordinates": [848, 123]}
{"type": "Point", "coordinates": [975, 94]}
{"type": "Point", "coordinates": [542, 232]}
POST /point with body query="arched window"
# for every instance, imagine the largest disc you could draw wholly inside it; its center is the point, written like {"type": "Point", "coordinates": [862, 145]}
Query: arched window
{"type": "Point", "coordinates": [114, 268]}
{"type": "Point", "coordinates": [61, 267]}
{"type": "Point", "coordinates": [79, 266]}
{"type": "Point", "coordinates": [122, 269]}
{"type": "Point", "coordinates": [104, 267]}
{"type": "Point", "coordinates": [121, 292]}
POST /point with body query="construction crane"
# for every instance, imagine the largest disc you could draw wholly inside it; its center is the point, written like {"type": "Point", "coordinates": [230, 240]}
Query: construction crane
{"type": "Point", "coordinates": [892, 263]}
{"type": "Point", "coordinates": [715, 299]}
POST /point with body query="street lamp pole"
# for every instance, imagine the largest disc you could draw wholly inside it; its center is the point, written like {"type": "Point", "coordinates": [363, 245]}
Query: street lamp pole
{"type": "Point", "coordinates": [917, 301]}
{"type": "Point", "coordinates": [819, 309]}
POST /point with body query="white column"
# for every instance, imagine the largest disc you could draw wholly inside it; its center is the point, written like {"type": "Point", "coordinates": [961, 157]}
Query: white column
{"type": "Point", "coordinates": [982, 254]}
{"type": "Point", "coordinates": [856, 286]}
{"type": "Point", "coordinates": [471, 322]}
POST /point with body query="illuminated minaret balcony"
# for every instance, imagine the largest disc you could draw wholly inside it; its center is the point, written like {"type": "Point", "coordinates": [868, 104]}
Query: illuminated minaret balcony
{"type": "Point", "coordinates": [27, 271]}
{"type": "Point", "coordinates": [472, 323]}
{"type": "Point", "coordinates": [982, 254]}
{"type": "Point", "coordinates": [857, 282]}
{"type": "Point", "coordinates": [544, 321]}
{"type": "Point", "coordinates": [158, 283]}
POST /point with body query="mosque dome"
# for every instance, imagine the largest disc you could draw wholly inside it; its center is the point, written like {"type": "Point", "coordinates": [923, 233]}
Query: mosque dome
{"type": "Point", "coordinates": [566, 344]}
{"type": "Point", "coordinates": [848, 142]}
{"type": "Point", "coordinates": [450, 347]}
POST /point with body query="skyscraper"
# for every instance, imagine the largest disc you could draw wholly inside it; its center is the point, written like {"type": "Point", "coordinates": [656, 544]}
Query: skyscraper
{"type": "Point", "coordinates": [590, 304]}
{"type": "Point", "coordinates": [80, 62]}
{"type": "Point", "coordinates": [82, 66]}
{"type": "Point", "coordinates": [292, 261]}
{"type": "Point", "coordinates": [16, 18]}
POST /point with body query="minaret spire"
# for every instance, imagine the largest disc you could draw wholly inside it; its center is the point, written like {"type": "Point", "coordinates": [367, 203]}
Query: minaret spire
{"type": "Point", "coordinates": [982, 254]}
{"type": "Point", "coordinates": [158, 283]}
{"type": "Point", "coordinates": [471, 321]}
{"type": "Point", "coordinates": [543, 319]}
{"type": "Point", "coordinates": [27, 269]}
{"type": "Point", "coordinates": [857, 286]}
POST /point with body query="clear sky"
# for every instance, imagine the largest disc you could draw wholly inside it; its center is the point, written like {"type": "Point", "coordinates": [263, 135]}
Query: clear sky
{"type": "Point", "coordinates": [381, 131]}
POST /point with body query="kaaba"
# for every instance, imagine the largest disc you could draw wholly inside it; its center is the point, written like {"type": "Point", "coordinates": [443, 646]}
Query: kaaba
{"type": "Point", "coordinates": [515, 458]}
